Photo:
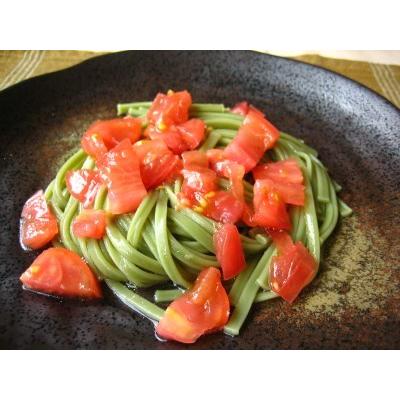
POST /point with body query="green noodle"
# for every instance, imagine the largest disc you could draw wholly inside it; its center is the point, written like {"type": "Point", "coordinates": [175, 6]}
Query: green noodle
{"type": "Point", "coordinates": [161, 243]}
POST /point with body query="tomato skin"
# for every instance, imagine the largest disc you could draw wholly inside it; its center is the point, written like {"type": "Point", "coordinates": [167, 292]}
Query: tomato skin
{"type": "Point", "coordinates": [83, 185]}
{"type": "Point", "coordinates": [38, 224]}
{"type": "Point", "coordinates": [170, 109]}
{"type": "Point", "coordinates": [202, 309]}
{"type": "Point", "coordinates": [192, 132]}
{"type": "Point", "coordinates": [290, 193]}
{"type": "Point", "coordinates": [121, 170]}
{"type": "Point", "coordinates": [90, 224]}
{"type": "Point", "coordinates": [157, 163]}
{"type": "Point", "coordinates": [229, 251]}
{"type": "Point", "coordinates": [235, 173]}
{"type": "Point", "coordinates": [269, 208]}
{"type": "Point", "coordinates": [215, 155]}
{"type": "Point", "coordinates": [194, 158]}
{"type": "Point", "coordinates": [224, 207]}
{"type": "Point", "coordinates": [105, 134]}
{"type": "Point", "coordinates": [292, 269]}
{"type": "Point", "coordinates": [61, 272]}
{"type": "Point", "coordinates": [287, 171]}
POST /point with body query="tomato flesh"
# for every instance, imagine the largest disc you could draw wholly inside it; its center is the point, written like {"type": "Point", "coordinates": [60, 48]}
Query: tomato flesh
{"type": "Point", "coordinates": [170, 109]}
{"type": "Point", "coordinates": [229, 251]}
{"type": "Point", "coordinates": [106, 134]}
{"type": "Point", "coordinates": [269, 208]}
{"type": "Point", "coordinates": [61, 272]}
{"type": "Point", "coordinates": [38, 224]}
{"type": "Point", "coordinates": [171, 137]}
{"type": "Point", "coordinates": [90, 224]}
{"type": "Point", "coordinates": [254, 138]}
{"type": "Point", "coordinates": [243, 109]}
{"type": "Point", "coordinates": [83, 185]}
{"type": "Point", "coordinates": [292, 269]}
{"type": "Point", "coordinates": [197, 182]}
{"type": "Point", "coordinates": [223, 207]}
{"type": "Point", "coordinates": [285, 171]}
{"type": "Point", "coordinates": [121, 170]}
{"type": "Point", "coordinates": [192, 132]}
{"type": "Point", "coordinates": [157, 163]}
{"type": "Point", "coordinates": [202, 309]}
{"type": "Point", "coordinates": [194, 158]}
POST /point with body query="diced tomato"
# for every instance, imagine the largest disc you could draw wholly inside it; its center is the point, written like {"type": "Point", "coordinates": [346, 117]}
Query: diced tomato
{"type": "Point", "coordinates": [290, 193]}
{"type": "Point", "coordinates": [229, 251]}
{"type": "Point", "coordinates": [200, 310]}
{"type": "Point", "coordinates": [171, 136]}
{"type": "Point", "coordinates": [192, 132]}
{"type": "Point", "coordinates": [194, 158]}
{"type": "Point", "coordinates": [157, 163]}
{"type": "Point", "coordinates": [38, 225]}
{"type": "Point", "coordinates": [248, 214]}
{"type": "Point", "coordinates": [90, 224]}
{"type": "Point", "coordinates": [198, 182]}
{"type": "Point", "coordinates": [223, 207]}
{"type": "Point", "coordinates": [235, 173]}
{"type": "Point", "coordinates": [254, 137]}
{"type": "Point", "coordinates": [83, 184]}
{"type": "Point", "coordinates": [61, 272]}
{"type": "Point", "coordinates": [120, 167]}
{"type": "Point", "coordinates": [169, 109]}
{"type": "Point", "coordinates": [292, 269]}
{"type": "Point", "coordinates": [241, 108]}
{"type": "Point", "coordinates": [269, 208]}
{"type": "Point", "coordinates": [287, 171]}
{"type": "Point", "coordinates": [104, 135]}
{"type": "Point", "coordinates": [215, 155]}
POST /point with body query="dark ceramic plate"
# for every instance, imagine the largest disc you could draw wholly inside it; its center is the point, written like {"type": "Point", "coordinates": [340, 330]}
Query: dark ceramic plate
{"type": "Point", "coordinates": [354, 302]}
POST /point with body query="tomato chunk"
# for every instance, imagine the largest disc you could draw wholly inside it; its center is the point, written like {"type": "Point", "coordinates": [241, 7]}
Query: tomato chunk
{"type": "Point", "coordinates": [223, 207]}
{"type": "Point", "coordinates": [106, 134]}
{"type": "Point", "coordinates": [121, 170]}
{"type": "Point", "coordinates": [269, 208]}
{"type": "Point", "coordinates": [38, 224]}
{"type": "Point", "coordinates": [61, 272]}
{"type": "Point", "coordinates": [286, 171]}
{"type": "Point", "coordinates": [229, 251]}
{"type": "Point", "coordinates": [90, 224]}
{"type": "Point", "coordinates": [171, 137]}
{"type": "Point", "coordinates": [83, 185]}
{"type": "Point", "coordinates": [197, 183]}
{"type": "Point", "coordinates": [244, 107]}
{"type": "Point", "coordinates": [290, 193]}
{"type": "Point", "coordinates": [157, 163]}
{"type": "Point", "coordinates": [292, 269]}
{"type": "Point", "coordinates": [169, 109]}
{"type": "Point", "coordinates": [254, 138]}
{"type": "Point", "coordinates": [200, 310]}
{"type": "Point", "coordinates": [194, 158]}
{"type": "Point", "coordinates": [192, 132]}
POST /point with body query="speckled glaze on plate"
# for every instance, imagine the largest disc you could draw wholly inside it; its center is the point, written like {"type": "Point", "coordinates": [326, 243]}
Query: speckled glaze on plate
{"type": "Point", "coordinates": [355, 300]}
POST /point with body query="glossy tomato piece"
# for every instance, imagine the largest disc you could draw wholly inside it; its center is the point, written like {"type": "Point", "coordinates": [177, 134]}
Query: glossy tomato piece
{"type": "Point", "coordinates": [241, 108]}
{"type": "Point", "coordinates": [198, 182]}
{"type": "Point", "coordinates": [286, 171]}
{"type": "Point", "coordinates": [171, 137]}
{"type": "Point", "coordinates": [235, 173]}
{"type": "Point", "coordinates": [61, 272]}
{"type": "Point", "coordinates": [169, 109]}
{"type": "Point", "coordinates": [192, 132]}
{"type": "Point", "coordinates": [90, 224]}
{"type": "Point", "coordinates": [292, 269]}
{"type": "Point", "coordinates": [194, 158]}
{"type": "Point", "coordinates": [157, 163]}
{"type": "Point", "coordinates": [290, 193]}
{"type": "Point", "coordinates": [121, 170]}
{"type": "Point", "coordinates": [215, 155]}
{"type": "Point", "coordinates": [104, 135]}
{"type": "Point", "coordinates": [38, 224]}
{"type": "Point", "coordinates": [254, 138]}
{"type": "Point", "coordinates": [83, 185]}
{"type": "Point", "coordinates": [269, 208]}
{"type": "Point", "coordinates": [229, 251]}
{"type": "Point", "coordinates": [202, 309]}
{"type": "Point", "coordinates": [223, 207]}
